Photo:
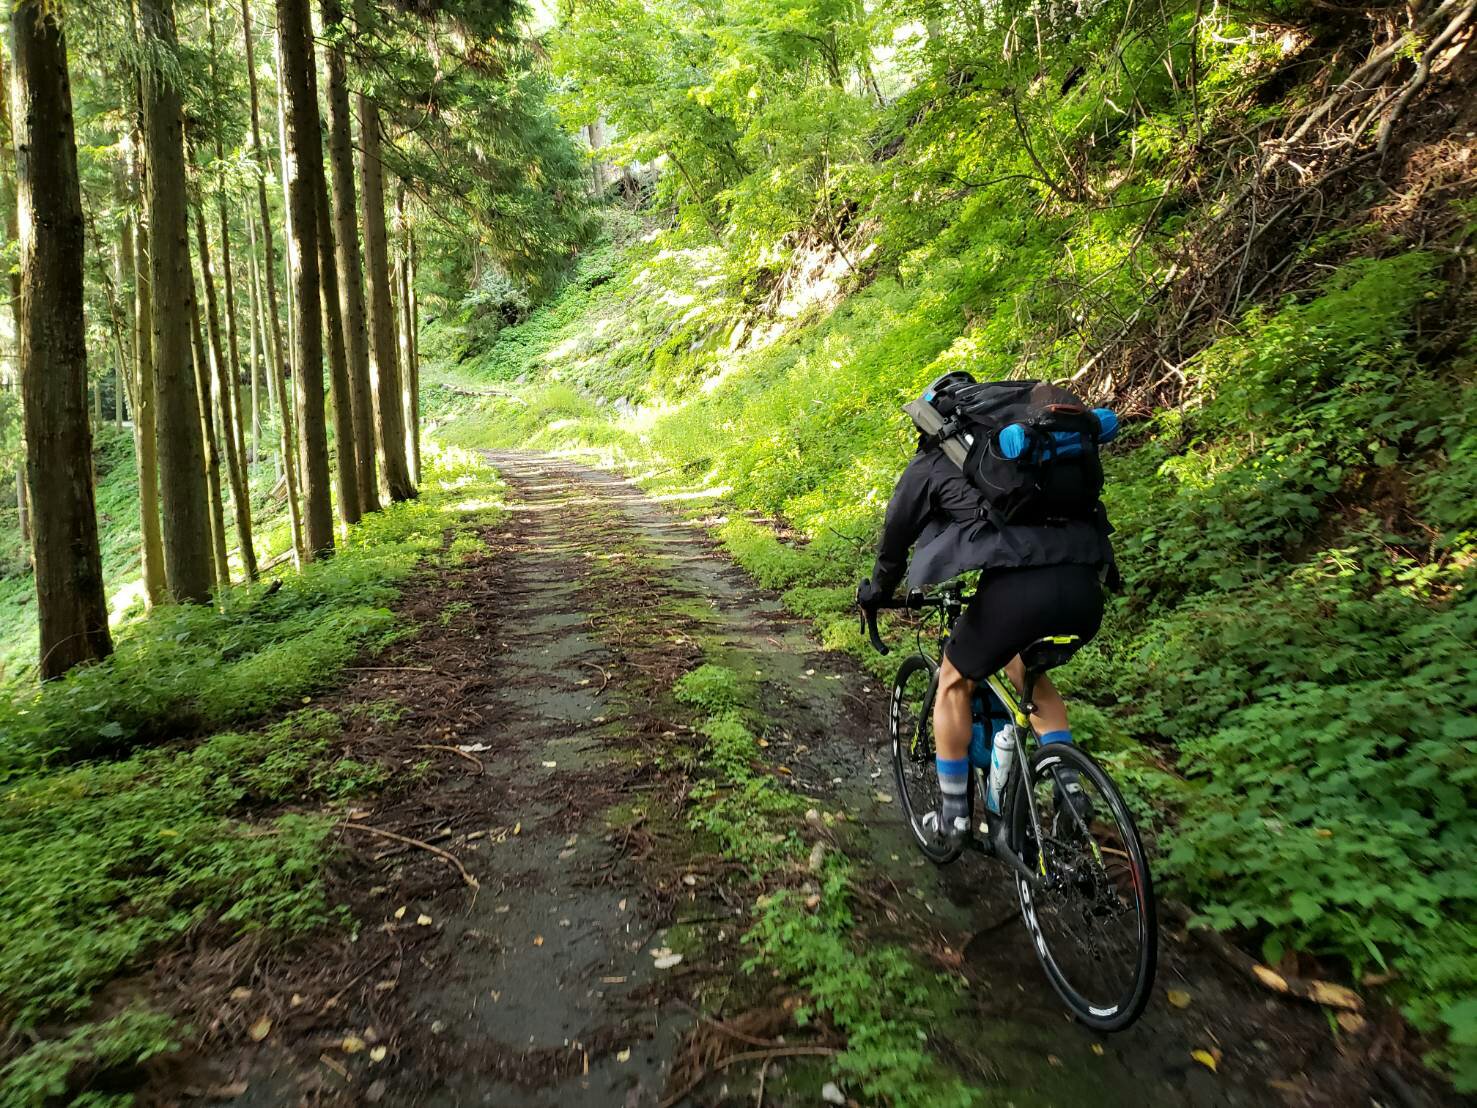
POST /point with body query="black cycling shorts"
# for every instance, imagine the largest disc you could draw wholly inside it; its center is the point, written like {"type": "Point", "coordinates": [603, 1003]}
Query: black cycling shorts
{"type": "Point", "coordinates": [1014, 607]}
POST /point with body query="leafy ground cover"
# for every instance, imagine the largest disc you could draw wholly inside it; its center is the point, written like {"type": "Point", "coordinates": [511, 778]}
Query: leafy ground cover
{"type": "Point", "coordinates": [1286, 682]}
{"type": "Point", "coordinates": [116, 843]}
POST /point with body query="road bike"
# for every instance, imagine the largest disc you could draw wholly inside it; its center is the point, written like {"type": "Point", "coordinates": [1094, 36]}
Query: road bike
{"type": "Point", "coordinates": [1080, 869]}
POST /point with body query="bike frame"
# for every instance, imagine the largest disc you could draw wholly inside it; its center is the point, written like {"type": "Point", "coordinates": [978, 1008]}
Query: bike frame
{"type": "Point", "coordinates": [949, 605]}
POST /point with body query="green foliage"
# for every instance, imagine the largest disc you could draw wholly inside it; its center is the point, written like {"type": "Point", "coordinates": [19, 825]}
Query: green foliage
{"type": "Point", "coordinates": [714, 689]}
{"type": "Point", "coordinates": [192, 668]}
{"type": "Point", "coordinates": [55, 1068]}
{"type": "Point", "coordinates": [1285, 686]}
{"type": "Point", "coordinates": [879, 996]}
{"type": "Point", "coordinates": [106, 860]}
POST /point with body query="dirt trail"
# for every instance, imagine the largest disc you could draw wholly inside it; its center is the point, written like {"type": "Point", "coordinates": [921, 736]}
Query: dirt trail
{"type": "Point", "coordinates": [564, 801]}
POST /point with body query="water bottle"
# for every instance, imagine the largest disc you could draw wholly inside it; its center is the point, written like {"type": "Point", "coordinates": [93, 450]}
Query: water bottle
{"type": "Point", "coordinates": [1001, 759]}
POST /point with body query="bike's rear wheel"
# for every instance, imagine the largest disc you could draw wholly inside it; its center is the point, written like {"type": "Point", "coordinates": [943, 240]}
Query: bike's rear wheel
{"type": "Point", "coordinates": [1094, 924]}
{"type": "Point", "coordinates": [910, 721]}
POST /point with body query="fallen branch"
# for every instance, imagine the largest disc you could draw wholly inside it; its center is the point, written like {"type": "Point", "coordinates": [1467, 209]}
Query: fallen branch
{"type": "Point", "coordinates": [481, 769]}
{"type": "Point", "coordinates": [436, 850]}
{"type": "Point", "coordinates": [1325, 993]}
{"type": "Point", "coordinates": [765, 1056]}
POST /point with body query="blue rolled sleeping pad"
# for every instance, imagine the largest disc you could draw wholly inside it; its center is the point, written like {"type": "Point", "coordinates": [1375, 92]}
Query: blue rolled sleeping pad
{"type": "Point", "coordinates": [1013, 439]}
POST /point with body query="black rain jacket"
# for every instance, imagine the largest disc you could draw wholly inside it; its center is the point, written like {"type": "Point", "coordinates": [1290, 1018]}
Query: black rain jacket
{"type": "Point", "coordinates": [935, 507]}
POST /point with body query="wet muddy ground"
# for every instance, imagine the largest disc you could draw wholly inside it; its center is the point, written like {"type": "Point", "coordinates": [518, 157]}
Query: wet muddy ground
{"type": "Point", "coordinates": [519, 890]}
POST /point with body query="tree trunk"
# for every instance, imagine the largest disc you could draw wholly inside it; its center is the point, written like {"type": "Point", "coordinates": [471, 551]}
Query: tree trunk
{"type": "Point", "coordinates": [212, 455]}
{"type": "Point", "coordinates": [384, 371]}
{"type": "Point", "coordinates": [409, 369]}
{"type": "Point", "coordinates": [70, 602]}
{"type": "Point", "coordinates": [144, 444]}
{"type": "Point", "coordinates": [350, 264]}
{"type": "Point", "coordinates": [275, 382]}
{"type": "Point", "coordinates": [347, 471]}
{"type": "Point", "coordinates": [22, 500]}
{"type": "Point", "coordinates": [254, 365]}
{"type": "Point", "coordinates": [269, 307]}
{"type": "Point", "coordinates": [415, 363]}
{"type": "Point", "coordinates": [181, 448]}
{"type": "Point", "coordinates": [304, 157]}
{"type": "Point", "coordinates": [225, 374]}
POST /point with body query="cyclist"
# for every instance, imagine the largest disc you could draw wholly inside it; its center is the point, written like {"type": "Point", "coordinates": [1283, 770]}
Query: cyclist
{"type": "Point", "coordinates": [1037, 580]}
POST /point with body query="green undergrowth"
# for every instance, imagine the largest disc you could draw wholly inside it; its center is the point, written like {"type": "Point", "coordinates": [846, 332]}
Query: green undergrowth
{"type": "Point", "coordinates": [194, 668]}
{"type": "Point", "coordinates": [1286, 687]}
{"type": "Point", "coordinates": [877, 995]}
{"type": "Point", "coordinates": [122, 829]}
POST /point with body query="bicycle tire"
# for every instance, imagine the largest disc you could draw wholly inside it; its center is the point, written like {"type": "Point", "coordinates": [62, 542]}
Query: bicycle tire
{"type": "Point", "coordinates": [910, 725]}
{"type": "Point", "coordinates": [1106, 1014]}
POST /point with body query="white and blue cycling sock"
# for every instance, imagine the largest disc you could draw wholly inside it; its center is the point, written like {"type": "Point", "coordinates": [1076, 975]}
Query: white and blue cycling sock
{"type": "Point", "coordinates": [954, 787]}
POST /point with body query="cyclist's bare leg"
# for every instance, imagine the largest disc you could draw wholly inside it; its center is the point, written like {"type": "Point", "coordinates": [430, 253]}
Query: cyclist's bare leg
{"type": "Point", "coordinates": [952, 718]}
{"type": "Point", "coordinates": [1051, 711]}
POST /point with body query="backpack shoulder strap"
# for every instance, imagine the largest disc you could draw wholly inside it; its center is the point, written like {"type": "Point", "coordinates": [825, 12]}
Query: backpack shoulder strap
{"type": "Point", "coordinates": [938, 430]}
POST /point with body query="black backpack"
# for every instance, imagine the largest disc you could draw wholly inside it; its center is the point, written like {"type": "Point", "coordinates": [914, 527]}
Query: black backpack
{"type": "Point", "coordinates": [1029, 447]}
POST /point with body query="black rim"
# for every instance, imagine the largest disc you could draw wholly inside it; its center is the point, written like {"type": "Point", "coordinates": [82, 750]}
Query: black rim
{"type": "Point", "coordinates": [911, 728]}
{"type": "Point", "coordinates": [1093, 925]}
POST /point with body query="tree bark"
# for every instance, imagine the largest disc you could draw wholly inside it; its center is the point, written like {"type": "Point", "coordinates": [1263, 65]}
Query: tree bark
{"type": "Point", "coordinates": [346, 473]}
{"type": "Point", "coordinates": [410, 371]}
{"type": "Point", "coordinates": [144, 424]}
{"type": "Point", "coordinates": [304, 157]}
{"type": "Point", "coordinates": [278, 378]}
{"type": "Point", "coordinates": [254, 365]}
{"type": "Point", "coordinates": [350, 264]}
{"type": "Point", "coordinates": [225, 374]}
{"type": "Point", "coordinates": [181, 448]}
{"type": "Point", "coordinates": [212, 456]}
{"type": "Point", "coordinates": [70, 602]}
{"type": "Point", "coordinates": [384, 370]}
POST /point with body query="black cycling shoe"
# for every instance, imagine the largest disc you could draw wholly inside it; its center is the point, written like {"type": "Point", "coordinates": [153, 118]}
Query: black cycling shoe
{"type": "Point", "coordinates": [951, 836]}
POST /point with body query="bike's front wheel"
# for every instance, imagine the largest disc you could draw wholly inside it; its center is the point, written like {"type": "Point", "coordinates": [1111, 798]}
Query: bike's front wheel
{"type": "Point", "coordinates": [1092, 919]}
{"type": "Point", "coordinates": [910, 722]}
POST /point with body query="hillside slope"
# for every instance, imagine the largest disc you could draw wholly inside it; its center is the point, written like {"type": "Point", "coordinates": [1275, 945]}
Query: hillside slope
{"type": "Point", "coordinates": [1287, 681]}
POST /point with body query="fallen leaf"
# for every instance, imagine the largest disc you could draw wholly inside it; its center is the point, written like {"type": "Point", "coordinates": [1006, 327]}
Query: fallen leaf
{"type": "Point", "coordinates": [550, 765]}
{"type": "Point", "coordinates": [352, 1044]}
{"type": "Point", "coordinates": [831, 1093]}
{"type": "Point", "coordinates": [423, 919]}
{"type": "Point", "coordinates": [785, 770]}
{"type": "Point", "coordinates": [1335, 996]}
{"type": "Point", "coordinates": [375, 1092]}
{"type": "Point", "coordinates": [689, 879]}
{"type": "Point", "coordinates": [377, 1053]}
{"type": "Point", "coordinates": [496, 995]}
{"type": "Point", "coordinates": [538, 940]}
{"type": "Point", "coordinates": [1352, 1022]}
{"type": "Point", "coordinates": [1205, 1058]}
{"type": "Point", "coordinates": [884, 798]}
{"type": "Point", "coordinates": [1178, 997]}
{"type": "Point", "coordinates": [400, 912]}
{"type": "Point", "coordinates": [622, 904]}
{"type": "Point", "coordinates": [1097, 1048]}
{"type": "Point", "coordinates": [240, 993]}
{"type": "Point", "coordinates": [667, 961]}
{"type": "Point", "coordinates": [260, 1029]}
{"type": "Point", "coordinates": [518, 827]}
{"type": "Point", "coordinates": [623, 1055]}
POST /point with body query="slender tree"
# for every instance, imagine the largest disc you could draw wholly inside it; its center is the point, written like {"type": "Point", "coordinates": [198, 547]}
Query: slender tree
{"type": "Point", "coordinates": [70, 602]}
{"type": "Point", "coordinates": [225, 374]}
{"type": "Point", "coordinates": [350, 265]}
{"type": "Point", "coordinates": [409, 371]}
{"type": "Point", "coordinates": [221, 560]}
{"type": "Point", "coordinates": [269, 305]}
{"type": "Point", "coordinates": [304, 159]}
{"type": "Point", "coordinates": [384, 370]}
{"type": "Point", "coordinates": [186, 516]}
{"type": "Point", "coordinates": [346, 473]}
{"type": "Point", "coordinates": [13, 285]}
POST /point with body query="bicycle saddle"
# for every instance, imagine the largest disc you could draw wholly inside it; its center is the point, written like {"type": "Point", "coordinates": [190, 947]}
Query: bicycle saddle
{"type": "Point", "coordinates": [1050, 652]}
